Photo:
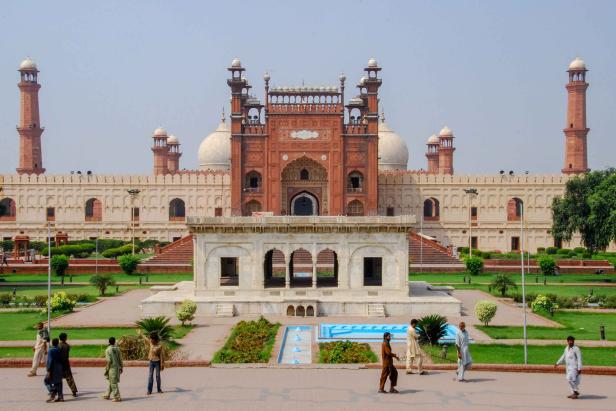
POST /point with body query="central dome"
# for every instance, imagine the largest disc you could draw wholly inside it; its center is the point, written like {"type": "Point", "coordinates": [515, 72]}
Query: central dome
{"type": "Point", "coordinates": [215, 149]}
{"type": "Point", "coordinates": [393, 152]}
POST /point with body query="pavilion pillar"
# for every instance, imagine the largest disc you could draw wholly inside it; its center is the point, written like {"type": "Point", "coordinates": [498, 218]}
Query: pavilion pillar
{"type": "Point", "coordinates": [314, 265]}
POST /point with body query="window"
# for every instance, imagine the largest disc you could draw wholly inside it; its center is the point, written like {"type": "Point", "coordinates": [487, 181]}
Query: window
{"type": "Point", "coordinates": [473, 213]}
{"type": "Point", "coordinates": [177, 210]}
{"type": "Point", "coordinates": [390, 212]}
{"type": "Point", "coordinates": [51, 214]}
{"type": "Point", "coordinates": [373, 274]}
{"type": "Point", "coordinates": [94, 210]}
{"type": "Point", "coordinates": [515, 243]}
{"type": "Point", "coordinates": [7, 209]}
{"type": "Point", "coordinates": [304, 175]}
{"type": "Point", "coordinates": [514, 209]}
{"type": "Point", "coordinates": [229, 271]}
{"type": "Point", "coordinates": [431, 211]}
{"type": "Point", "coordinates": [355, 208]}
{"type": "Point", "coordinates": [355, 182]}
{"type": "Point", "coordinates": [253, 181]}
{"type": "Point", "coordinates": [135, 214]}
{"type": "Point", "coordinates": [218, 212]}
{"type": "Point", "coordinates": [474, 243]}
{"type": "Point", "coordinates": [253, 206]}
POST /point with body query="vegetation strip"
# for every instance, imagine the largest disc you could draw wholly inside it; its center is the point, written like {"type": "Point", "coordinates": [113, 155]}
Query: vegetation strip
{"type": "Point", "coordinates": [249, 342]}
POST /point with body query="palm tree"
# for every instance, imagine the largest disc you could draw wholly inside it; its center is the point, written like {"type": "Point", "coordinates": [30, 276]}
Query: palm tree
{"type": "Point", "coordinates": [156, 325]}
{"type": "Point", "coordinates": [102, 282]}
{"type": "Point", "coordinates": [431, 328]}
{"type": "Point", "coordinates": [503, 283]}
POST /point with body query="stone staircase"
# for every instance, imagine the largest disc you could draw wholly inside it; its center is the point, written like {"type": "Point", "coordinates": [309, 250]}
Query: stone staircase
{"type": "Point", "coordinates": [179, 252]}
{"type": "Point", "coordinates": [224, 310]}
{"type": "Point", "coordinates": [376, 310]}
{"type": "Point", "coordinates": [433, 252]}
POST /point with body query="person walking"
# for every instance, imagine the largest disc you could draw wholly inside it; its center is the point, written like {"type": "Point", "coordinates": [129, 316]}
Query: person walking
{"type": "Point", "coordinates": [40, 348]}
{"type": "Point", "coordinates": [65, 349]}
{"type": "Point", "coordinates": [113, 369]}
{"type": "Point", "coordinates": [156, 356]}
{"type": "Point", "coordinates": [572, 357]}
{"type": "Point", "coordinates": [464, 356]}
{"type": "Point", "coordinates": [389, 369]}
{"type": "Point", "coordinates": [54, 373]}
{"type": "Point", "coordinates": [413, 352]}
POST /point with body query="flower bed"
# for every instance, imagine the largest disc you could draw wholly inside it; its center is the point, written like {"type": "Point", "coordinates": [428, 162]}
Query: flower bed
{"type": "Point", "coordinates": [249, 342]}
{"type": "Point", "coordinates": [345, 352]}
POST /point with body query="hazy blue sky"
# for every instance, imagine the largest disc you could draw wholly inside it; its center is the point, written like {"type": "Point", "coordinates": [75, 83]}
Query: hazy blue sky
{"type": "Point", "coordinates": [493, 71]}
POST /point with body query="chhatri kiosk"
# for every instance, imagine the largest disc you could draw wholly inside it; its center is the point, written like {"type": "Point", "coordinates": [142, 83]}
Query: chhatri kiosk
{"type": "Point", "coordinates": [304, 237]}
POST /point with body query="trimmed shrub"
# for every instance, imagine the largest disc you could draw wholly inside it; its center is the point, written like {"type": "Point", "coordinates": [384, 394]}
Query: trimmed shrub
{"type": "Point", "coordinates": [587, 255]}
{"type": "Point", "coordinates": [40, 301]}
{"type": "Point", "coordinates": [128, 263]}
{"type": "Point", "coordinates": [543, 304]}
{"type": "Point", "coordinates": [431, 328]}
{"type": "Point", "coordinates": [474, 265]}
{"type": "Point", "coordinates": [5, 299]}
{"type": "Point", "coordinates": [61, 302]}
{"type": "Point", "coordinates": [59, 265]}
{"type": "Point", "coordinates": [485, 311]}
{"type": "Point", "coordinates": [102, 282]}
{"type": "Point", "coordinates": [463, 250]}
{"type": "Point", "coordinates": [187, 311]}
{"type": "Point", "coordinates": [579, 250]}
{"type": "Point", "coordinates": [547, 265]}
{"type": "Point", "coordinates": [345, 352]}
{"type": "Point", "coordinates": [551, 250]}
{"type": "Point", "coordinates": [116, 252]}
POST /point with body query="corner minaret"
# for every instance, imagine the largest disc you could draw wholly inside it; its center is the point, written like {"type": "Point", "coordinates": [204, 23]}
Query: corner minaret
{"type": "Point", "coordinates": [29, 128]}
{"type": "Point", "coordinates": [161, 151]}
{"type": "Point", "coordinates": [576, 132]}
{"type": "Point", "coordinates": [432, 154]}
{"type": "Point", "coordinates": [174, 154]}
{"type": "Point", "coordinates": [445, 151]}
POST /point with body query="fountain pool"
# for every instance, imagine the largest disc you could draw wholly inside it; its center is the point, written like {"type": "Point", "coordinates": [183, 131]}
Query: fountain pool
{"type": "Point", "coordinates": [296, 345]}
{"type": "Point", "coordinates": [373, 332]}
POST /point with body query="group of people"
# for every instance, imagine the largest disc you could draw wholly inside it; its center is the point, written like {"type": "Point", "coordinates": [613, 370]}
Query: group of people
{"type": "Point", "coordinates": [572, 358]}
{"type": "Point", "coordinates": [58, 367]}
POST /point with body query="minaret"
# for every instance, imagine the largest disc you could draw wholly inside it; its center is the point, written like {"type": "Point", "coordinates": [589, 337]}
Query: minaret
{"type": "Point", "coordinates": [29, 128]}
{"type": "Point", "coordinates": [576, 132]}
{"type": "Point", "coordinates": [372, 83]}
{"type": "Point", "coordinates": [161, 151]}
{"type": "Point", "coordinates": [173, 157]}
{"type": "Point", "coordinates": [432, 154]}
{"type": "Point", "coordinates": [239, 90]}
{"type": "Point", "coordinates": [445, 151]}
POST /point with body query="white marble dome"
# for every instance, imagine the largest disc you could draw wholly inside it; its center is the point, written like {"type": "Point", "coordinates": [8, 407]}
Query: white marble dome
{"type": "Point", "coordinates": [236, 63]}
{"type": "Point", "coordinates": [393, 152]}
{"type": "Point", "coordinates": [215, 149]}
{"type": "Point", "coordinates": [160, 132]}
{"type": "Point", "coordinates": [173, 140]}
{"type": "Point", "coordinates": [372, 63]}
{"type": "Point", "coordinates": [27, 64]}
{"type": "Point", "coordinates": [577, 64]}
{"type": "Point", "coordinates": [433, 139]}
{"type": "Point", "coordinates": [445, 132]}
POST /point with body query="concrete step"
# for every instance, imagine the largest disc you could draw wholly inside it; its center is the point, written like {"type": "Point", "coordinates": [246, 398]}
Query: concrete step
{"type": "Point", "coordinates": [376, 310]}
{"type": "Point", "coordinates": [225, 310]}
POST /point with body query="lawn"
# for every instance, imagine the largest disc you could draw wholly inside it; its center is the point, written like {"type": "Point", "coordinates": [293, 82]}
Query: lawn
{"type": "Point", "coordinates": [531, 279]}
{"type": "Point", "coordinates": [583, 326]}
{"type": "Point", "coordinates": [514, 354]}
{"type": "Point", "coordinates": [31, 291]}
{"type": "Point", "coordinates": [77, 351]}
{"type": "Point", "coordinates": [20, 326]}
{"type": "Point", "coordinates": [561, 290]}
{"type": "Point", "coordinates": [84, 278]}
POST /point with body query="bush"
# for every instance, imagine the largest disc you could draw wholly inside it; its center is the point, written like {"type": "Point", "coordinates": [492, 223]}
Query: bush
{"type": "Point", "coordinates": [116, 252]}
{"type": "Point", "coordinates": [431, 328]}
{"type": "Point", "coordinates": [474, 265]}
{"type": "Point", "coordinates": [80, 298]}
{"type": "Point", "coordinates": [551, 250]}
{"type": "Point", "coordinates": [250, 342]}
{"type": "Point", "coordinates": [540, 250]}
{"type": "Point", "coordinates": [543, 304]}
{"type": "Point", "coordinates": [345, 352]}
{"type": "Point", "coordinates": [547, 265]}
{"type": "Point", "coordinates": [5, 299]}
{"type": "Point", "coordinates": [156, 325]}
{"type": "Point", "coordinates": [102, 282]}
{"type": "Point", "coordinates": [587, 255]}
{"type": "Point", "coordinates": [128, 263]}
{"type": "Point", "coordinates": [503, 283]}
{"type": "Point", "coordinates": [40, 301]}
{"type": "Point", "coordinates": [135, 347]}
{"type": "Point", "coordinates": [530, 297]}
{"type": "Point", "coordinates": [579, 250]}
{"type": "Point", "coordinates": [60, 302]}
{"type": "Point", "coordinates": [610, 302]}
{"type": "Point", "coordinates": [463, 250]}
{"type": "Point", "coordinates": [7, 245]}
{"type": "Point", "coordinates": [485, 311]}
{"type": "Point", "coordinates": [187, 311]}
{"type": "Point", "coordinates": [76, 250]}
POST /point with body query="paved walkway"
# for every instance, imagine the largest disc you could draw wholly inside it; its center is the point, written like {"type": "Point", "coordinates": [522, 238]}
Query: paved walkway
{"type": "Point", "coordinates": [204, 340]}
{"type": "Point", "coordinates": [120, 311]}
{"type": "Point", "coordinates": [314, 389]}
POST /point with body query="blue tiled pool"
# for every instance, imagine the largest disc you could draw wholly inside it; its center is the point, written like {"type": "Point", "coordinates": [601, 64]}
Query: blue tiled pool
{"type": "Point", "coordinates": [373, 332]}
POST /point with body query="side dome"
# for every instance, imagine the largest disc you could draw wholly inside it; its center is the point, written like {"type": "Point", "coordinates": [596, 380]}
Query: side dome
{"type": "Point", "coordinates": [445, 132]}
{"type": "Point", "coordinates": [577, 64]}
{"type": "Point", "coordinates": [27, 64]}
{"type": "Point", "coordinates": [434, 139]}
{"type": "Point", "coordinates": [393, 152]}
{"type": "Point", "coordinates": [172, 140]}
{"type": "Point", "coordinates": [215, 150]}
{"type": "Point", "coordinates": [160, 132]}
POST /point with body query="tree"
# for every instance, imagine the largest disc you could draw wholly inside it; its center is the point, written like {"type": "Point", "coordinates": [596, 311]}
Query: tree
{"type": "Point", "coordinates": [547, 265]}
{"type": "Point", "coordinates": [59, 265]}
{"type": "Point", "coordinates": [128, 263]}
{"type": "Point", "coordinates": [588, 207]}
{"type": "Point", "coordinates": [474, 265]}
{"type": "Point", "coordinates": [503, 283]}
{"type": "Point", "coordinates": [156, 325]}
{"type": "Point", "coordinates": [431, 328]}
{"type": "Point", "coordinates": [102, 282]}
{"type": "Point", "coordinates": [485, 311]}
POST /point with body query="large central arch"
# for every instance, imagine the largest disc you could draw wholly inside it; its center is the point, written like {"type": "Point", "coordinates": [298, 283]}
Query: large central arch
{"type": "Point", "coordinates": [304, 179]}
{"type": "Point", "coordinates": [304, 203]}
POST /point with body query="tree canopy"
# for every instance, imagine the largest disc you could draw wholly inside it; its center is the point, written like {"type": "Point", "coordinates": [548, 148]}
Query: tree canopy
{"type": "Point", "coordinates": [589, 208]}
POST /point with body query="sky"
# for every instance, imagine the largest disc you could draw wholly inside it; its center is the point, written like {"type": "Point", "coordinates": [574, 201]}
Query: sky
{"type": "Point", "coordinates": [493, 71]}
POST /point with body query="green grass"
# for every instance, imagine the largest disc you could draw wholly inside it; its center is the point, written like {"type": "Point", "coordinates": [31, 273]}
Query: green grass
{"type": "Point", "coordinates": [514, 354]}
{"type": "Point", "coordinates": [531, 279]}
{"type": "Point", "coordinates": [84, 278]}
{"type": "Point", "coordinates": [561, 290]}
{"type": "Point", "coordinates": [31, 291]}
{"type": "Point", "coordinates": [77, 351]}
{"type": "Point", "coordinates": [180, 331]}
{"type": "Point", "coordinates": [583, 326]}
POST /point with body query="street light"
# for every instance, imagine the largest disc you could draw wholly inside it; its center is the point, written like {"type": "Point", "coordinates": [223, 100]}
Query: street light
{"type": "Point", "coordinates": [471, 192]}
{"type": "Point", "coordinates": [49, 277]}
{"type": "Point", "coordinates": [523, 278]}
{"type": "Point", "coordinates": [133, 192]}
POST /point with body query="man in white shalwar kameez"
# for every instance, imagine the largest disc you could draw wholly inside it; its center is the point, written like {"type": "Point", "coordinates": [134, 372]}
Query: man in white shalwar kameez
{"type": "Point", "coordinates": [572, 357]}
{"type": "Point", "coordinates": [413, 352]}
{"type": "Point", "coordinates": [464, 356]}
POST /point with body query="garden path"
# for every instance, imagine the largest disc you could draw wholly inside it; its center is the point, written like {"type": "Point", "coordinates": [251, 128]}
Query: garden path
{"type": "Point", "coordinates": [205, 339]}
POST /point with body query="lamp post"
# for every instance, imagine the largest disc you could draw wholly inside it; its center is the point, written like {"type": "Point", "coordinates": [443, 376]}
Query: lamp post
{"type": "Point", "coordinates": [523, 279]}
{"type": "Point", "coordinates": [471, 192]}
{"type": "Point", "coordinates": [133, 192]}
{"type": "Point", "coordinates": [421, 243]}
{"type": "Point", "coordinates": [49, 277]}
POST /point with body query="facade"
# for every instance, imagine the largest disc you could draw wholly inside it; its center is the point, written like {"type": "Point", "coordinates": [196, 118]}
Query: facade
{"type": "Point", "coordinates": [303, 151]}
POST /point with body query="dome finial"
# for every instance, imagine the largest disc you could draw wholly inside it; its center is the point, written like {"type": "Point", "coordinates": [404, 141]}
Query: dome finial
{"type": "Point", "coordinates": [223, 115]}
{"type": "Point", "coordinates": [382, 115]}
